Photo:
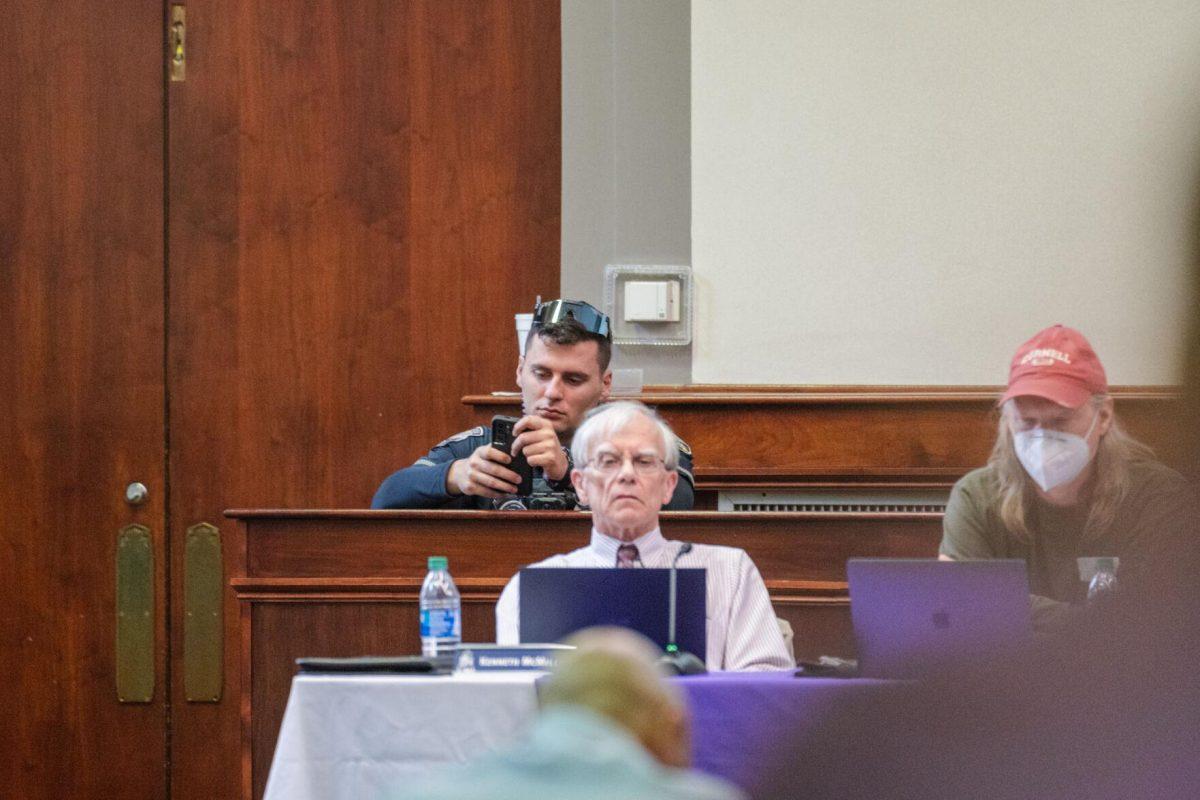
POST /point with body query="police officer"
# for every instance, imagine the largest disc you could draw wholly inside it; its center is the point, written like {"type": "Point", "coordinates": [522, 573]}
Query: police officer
{"type": "Point", "coordinates": [563, 374]}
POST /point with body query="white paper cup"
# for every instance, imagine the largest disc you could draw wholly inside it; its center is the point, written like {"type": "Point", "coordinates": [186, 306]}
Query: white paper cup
{"type": "Point", "coordinates": [524, 323]}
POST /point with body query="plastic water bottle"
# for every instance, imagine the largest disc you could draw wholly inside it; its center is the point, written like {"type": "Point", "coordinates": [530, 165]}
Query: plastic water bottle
{"type": "Point", "coordinates": [441, 610]}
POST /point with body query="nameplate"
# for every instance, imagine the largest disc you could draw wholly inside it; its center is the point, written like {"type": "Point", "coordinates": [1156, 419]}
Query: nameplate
{"type": "Point", "coordinates": [499, 658]}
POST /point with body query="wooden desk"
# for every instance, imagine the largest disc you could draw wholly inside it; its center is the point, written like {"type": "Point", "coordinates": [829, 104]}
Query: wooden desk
{"type": "Point", "coordinates": [340, 583]}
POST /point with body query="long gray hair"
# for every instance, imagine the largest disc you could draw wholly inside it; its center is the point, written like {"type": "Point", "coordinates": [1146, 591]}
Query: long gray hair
{"type": "Point", "coordinates": [1115, 452]}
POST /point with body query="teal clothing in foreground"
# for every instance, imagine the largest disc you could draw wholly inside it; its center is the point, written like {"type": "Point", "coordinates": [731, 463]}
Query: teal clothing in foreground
{"type": "Point", "coordinates": [569, 754]}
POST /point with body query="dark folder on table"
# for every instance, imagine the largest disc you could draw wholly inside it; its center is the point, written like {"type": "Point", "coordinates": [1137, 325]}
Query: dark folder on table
{"type": "Point", "coordinates": [914, 617]}
{"type": "Point", "coordinates": [557, 601]}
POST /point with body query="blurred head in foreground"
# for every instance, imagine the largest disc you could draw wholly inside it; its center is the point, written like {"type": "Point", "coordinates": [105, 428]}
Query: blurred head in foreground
{"type": "Point", "coordinates": [609, 726]}
{"type": "Point", "coordinates": [613, 673]}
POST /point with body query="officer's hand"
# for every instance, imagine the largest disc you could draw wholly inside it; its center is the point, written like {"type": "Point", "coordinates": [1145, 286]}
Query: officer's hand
{"type": "Point", "coordinates": [482, 473]}
{"type": "Point", "coordinates": [538, 440]}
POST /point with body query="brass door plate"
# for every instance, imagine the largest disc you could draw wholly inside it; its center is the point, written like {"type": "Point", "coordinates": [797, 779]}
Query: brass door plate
{"type": "Point", "coordinates": [203, 591]}
{"type": "Point", "coordinates": [135, 615]}
{"type": "Point", "coordinates": [177, 39]}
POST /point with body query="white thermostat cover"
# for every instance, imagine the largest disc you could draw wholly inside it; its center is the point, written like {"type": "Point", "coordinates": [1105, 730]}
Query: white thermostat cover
{"type": "Point", "coordinates": [649, 283]}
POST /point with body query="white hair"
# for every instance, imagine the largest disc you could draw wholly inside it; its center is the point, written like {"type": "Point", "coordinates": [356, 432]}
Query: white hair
{"type": "Point", "coordinates": [604, 421]}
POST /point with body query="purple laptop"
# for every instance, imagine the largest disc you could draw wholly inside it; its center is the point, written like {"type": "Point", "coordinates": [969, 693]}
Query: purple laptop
{"type": "Point", "coordinates": [913, 617]}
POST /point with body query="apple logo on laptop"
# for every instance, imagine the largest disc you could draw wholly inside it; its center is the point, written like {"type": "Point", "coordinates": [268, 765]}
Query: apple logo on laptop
{"type": "Point", "coordinates": [941, 620]}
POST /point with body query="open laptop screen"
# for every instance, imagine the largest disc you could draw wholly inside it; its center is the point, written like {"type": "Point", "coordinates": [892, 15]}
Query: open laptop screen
{"type": "Point", "coordinates": [914, 616]}
{"type": "Point", "coordinates": [557, 601]}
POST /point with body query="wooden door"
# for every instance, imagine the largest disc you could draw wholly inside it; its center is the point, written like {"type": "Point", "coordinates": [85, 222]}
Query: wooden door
{"type": "Point", "coordinates": [81, 404]}
{"type": "Point", "coordinates": [362, 194]}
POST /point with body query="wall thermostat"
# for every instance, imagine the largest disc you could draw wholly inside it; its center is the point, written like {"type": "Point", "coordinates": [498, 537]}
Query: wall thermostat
{"type": "Point", "coordinates": [651, 301]}
{"type": "Point", "coordinates": [649, 304]}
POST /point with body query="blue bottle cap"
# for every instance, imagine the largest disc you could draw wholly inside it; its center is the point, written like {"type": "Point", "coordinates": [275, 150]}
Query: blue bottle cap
{"type": "Point", "coordinates": [438, 562]}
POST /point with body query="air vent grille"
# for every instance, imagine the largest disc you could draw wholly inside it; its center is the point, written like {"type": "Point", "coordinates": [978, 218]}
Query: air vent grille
{"type": "Point", "coordinates": [844, 502]}
{"type": "Point", "coordinates": [845, 508]}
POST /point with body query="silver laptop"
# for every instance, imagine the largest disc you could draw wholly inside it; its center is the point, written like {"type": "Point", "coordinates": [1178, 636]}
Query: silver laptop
{"type": "Point", "coordinates": [913, 617]}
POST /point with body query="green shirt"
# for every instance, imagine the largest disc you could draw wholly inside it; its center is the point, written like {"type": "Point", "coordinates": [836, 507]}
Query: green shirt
{"type": "Point", "coordinates": [1153, 518]}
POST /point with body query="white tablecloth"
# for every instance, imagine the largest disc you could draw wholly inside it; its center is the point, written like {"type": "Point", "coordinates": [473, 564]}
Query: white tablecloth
{"type": "Point", "coordinates": [355, 737]}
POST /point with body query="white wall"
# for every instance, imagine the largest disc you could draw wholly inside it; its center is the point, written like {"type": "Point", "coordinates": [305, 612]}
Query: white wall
{"type": "Point", "coordinates": [890, 193]}
{"type": "Point", "coordinates": [626, 189]}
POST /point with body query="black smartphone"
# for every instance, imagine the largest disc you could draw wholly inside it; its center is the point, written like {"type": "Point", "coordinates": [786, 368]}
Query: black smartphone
{"type": "Point", "coordinates": [502, 439]}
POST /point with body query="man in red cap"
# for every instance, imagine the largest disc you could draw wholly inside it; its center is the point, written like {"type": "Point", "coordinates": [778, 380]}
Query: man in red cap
{"type": "Point", "coordinates": [1065, 488]}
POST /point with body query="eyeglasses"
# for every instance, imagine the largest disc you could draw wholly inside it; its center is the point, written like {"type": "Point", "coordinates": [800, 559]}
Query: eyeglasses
{"type": "Point", "coordinates": [591, 318]}
{"type": "Point", "coordinates": [609, 463]}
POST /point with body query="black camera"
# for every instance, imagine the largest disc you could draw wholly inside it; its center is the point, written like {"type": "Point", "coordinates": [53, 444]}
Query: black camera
{"type": "Point", "coordinates": [541, 501]}
{"type": "Point", "coordinates": [552, 501]}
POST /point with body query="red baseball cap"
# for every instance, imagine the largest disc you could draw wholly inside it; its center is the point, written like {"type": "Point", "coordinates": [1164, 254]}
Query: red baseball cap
{"type": "Point", "coordinates": [1058, 364]}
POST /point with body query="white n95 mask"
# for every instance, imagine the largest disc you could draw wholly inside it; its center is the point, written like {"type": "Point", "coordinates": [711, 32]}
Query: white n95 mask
{"type": "Point", "coordinates": [1052, 458]}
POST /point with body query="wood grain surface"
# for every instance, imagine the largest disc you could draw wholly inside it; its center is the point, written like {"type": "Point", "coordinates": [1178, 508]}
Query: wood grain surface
{"type": "Point", "coordinates": [362, 195]}
{"type": "Point", "coordinates": [787, 437]}
{"type": "Point", "coordinates": [81, 411]}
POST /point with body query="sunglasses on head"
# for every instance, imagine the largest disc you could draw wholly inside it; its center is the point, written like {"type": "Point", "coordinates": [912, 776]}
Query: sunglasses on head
{"type": "Point", "coordinates": [587, 315]}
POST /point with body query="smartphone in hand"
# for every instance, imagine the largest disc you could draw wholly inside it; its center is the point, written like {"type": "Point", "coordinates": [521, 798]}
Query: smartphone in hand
{"type": "Point", "coordinates": [502, 439]}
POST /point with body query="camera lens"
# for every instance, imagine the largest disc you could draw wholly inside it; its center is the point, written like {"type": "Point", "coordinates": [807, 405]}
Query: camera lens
{"type": "Point", "coordinates": [511, 504]}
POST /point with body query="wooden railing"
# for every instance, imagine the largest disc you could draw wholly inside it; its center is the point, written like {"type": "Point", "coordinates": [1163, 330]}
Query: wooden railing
{"type": "Point", "coordinates": [790, 437]}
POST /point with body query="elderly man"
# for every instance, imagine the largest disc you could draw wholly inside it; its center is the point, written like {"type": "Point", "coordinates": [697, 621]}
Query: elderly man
{"type": "Point", "coordinates": [625, 470]}
{"type": "Point", "coordinates": [609, 727]}
{"type": "Point", "coordinates": [562, 375]}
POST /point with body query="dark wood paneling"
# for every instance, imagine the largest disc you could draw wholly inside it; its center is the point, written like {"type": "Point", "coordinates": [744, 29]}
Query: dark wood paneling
{"type": "Point", "coordinates": [796, 436]}
{"type": "Point", "coordinates": [347, 582]}
{"type": "Point", "coordinates": [362, 194]}
{"type": "Point", "coordinates": [81, 363]}
{"type": "Point", "coordinates": [481, 544]}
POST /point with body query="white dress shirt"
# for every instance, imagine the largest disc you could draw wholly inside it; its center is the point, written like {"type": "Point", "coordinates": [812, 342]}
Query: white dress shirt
{"type": "Point", "coordinates": [741, 628]}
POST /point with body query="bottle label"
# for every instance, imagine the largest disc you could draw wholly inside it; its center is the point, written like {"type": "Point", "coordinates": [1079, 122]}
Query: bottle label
{"type": "Point", "coordinates": [440, 623]}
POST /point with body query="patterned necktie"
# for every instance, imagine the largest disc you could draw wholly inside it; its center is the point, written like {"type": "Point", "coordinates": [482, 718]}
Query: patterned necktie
{"type": "Point", "coordinates": [627, 555]}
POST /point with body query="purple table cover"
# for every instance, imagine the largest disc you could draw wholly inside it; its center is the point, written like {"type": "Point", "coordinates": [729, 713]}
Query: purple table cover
{"type": "Point", "coordinates": [744, 722]}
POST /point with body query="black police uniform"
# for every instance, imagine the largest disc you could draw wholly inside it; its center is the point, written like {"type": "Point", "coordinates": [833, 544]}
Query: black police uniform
{"type": "Point", "coordinates": [423, 485]}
